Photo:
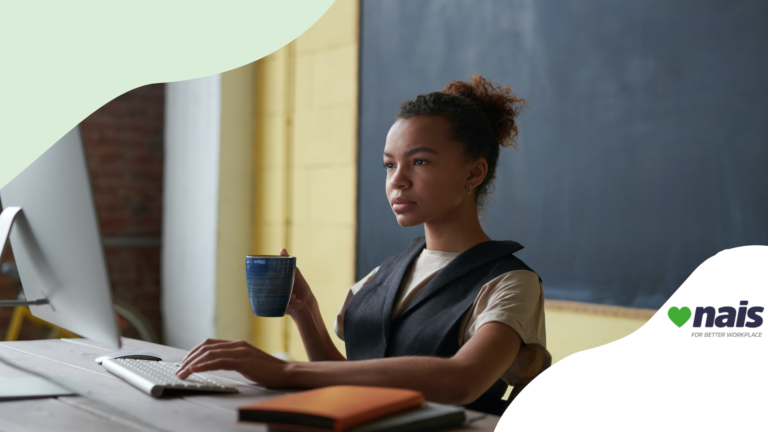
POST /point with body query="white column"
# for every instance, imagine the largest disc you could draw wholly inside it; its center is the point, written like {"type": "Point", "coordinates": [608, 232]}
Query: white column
{"type": "Point", "coordinates": [190, 210]}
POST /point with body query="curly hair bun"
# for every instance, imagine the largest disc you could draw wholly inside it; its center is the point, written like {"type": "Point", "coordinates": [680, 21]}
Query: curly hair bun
{"type": "Point", "coordinates": [497, 103]}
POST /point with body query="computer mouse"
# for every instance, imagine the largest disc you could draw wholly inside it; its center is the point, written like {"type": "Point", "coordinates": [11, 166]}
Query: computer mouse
{"type": "Point", "coordinates": [136, 354]}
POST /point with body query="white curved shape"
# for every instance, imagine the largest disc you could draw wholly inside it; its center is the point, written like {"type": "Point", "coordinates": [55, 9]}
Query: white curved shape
{"type": "Point", "coordinates": [660, 377]}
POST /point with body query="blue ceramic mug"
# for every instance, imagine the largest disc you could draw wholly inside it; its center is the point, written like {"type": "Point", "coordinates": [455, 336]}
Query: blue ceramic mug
{"type": "Point", "coordinates": [270, 283]}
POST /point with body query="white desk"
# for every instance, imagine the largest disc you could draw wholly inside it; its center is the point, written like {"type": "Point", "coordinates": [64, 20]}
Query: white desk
{"type": "Point", "coordinates": [74, 359]}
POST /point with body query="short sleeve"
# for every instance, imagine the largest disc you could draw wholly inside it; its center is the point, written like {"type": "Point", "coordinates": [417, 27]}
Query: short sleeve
{"type": "Point", "coordinates": [338, 325]}
{"type": "Point", "coordinates": [516, 299]}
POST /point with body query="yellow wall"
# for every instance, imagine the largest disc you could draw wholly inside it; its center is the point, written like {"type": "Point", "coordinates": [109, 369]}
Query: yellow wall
{"type": "Point", "coordinates": [574, 327]}
{"type": "Point", "coordinates": [305, 163]}
{"type": "Point", "coordinates": [270, 171]}
{"type": "Point", "coordinates": [234, 219]}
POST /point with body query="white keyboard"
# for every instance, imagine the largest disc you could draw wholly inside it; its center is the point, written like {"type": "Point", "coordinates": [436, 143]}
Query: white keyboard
{"type": "Point", "coordinates": [154, 377]}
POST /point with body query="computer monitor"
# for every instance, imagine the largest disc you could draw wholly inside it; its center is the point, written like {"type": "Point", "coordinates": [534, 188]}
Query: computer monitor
{"type": "Point", "coordinates": [48, 210]}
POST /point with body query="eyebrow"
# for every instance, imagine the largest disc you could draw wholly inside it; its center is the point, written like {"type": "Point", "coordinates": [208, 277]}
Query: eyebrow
{"type": "Point", "coordinates": [414, 151]}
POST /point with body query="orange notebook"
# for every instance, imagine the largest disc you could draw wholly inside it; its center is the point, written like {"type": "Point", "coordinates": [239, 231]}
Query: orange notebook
{"type": "Point", "coordinates": [337, 408]}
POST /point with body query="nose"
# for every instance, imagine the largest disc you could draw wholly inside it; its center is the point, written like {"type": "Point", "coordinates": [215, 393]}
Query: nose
{"type": "Point", "coordinates": [398, 179]}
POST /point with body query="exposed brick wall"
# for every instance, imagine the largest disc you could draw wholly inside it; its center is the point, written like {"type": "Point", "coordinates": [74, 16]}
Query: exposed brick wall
{"type": "Point", "coordinates": [124, 144]}
{"type": "Point", "coordinates": [124, 147]}
{"type": "Point", "coordinates": [8, 291]}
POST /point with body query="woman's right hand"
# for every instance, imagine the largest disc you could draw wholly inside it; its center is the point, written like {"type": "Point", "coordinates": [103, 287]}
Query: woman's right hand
{"type": "Point", "coordinates": [302, 294]}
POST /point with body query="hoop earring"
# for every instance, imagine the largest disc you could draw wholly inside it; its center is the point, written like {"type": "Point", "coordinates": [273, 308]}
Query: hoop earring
{"type": "Point", "coordinates": [470, 189]}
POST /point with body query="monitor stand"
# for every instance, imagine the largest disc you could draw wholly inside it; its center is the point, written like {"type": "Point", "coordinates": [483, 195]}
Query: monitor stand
{"type": "Point", "coordinates": [6, 222]}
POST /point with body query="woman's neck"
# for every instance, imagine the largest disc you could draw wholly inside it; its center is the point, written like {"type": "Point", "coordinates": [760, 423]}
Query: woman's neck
{"type": "Point", "coordinates": [455, 232]}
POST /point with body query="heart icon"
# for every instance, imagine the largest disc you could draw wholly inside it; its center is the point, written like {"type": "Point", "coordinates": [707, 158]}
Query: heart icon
{"type": "Point", "coordinates": [679, 316]}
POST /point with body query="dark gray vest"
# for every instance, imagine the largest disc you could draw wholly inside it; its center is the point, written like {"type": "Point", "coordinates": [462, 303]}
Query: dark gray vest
{"type": "Point", "coordinates": [430, 325]}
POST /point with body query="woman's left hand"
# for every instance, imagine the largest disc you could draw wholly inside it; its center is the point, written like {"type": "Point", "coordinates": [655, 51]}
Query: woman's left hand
{"type": "Point", "coordinates": [240, 356]}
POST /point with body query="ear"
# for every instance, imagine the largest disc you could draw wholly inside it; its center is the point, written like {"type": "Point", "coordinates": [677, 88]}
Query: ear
{"type": "Point", "coordinates": [478, 171]}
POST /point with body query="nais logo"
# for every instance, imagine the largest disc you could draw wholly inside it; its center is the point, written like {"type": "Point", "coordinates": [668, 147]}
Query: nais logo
{"type": "Point", "coordinates": [724, 317]}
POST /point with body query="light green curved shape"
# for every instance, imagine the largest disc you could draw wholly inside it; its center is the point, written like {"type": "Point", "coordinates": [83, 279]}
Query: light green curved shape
{"type": "Point", "coordinates": [61, 61]}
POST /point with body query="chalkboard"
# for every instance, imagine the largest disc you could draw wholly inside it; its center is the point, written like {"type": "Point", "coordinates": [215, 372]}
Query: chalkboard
{"type": "Point", "coordinates": [643, 151]}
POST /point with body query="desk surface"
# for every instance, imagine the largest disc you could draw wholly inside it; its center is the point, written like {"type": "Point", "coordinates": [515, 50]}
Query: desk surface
{"type": "Point", "coordinates": [74, 359]}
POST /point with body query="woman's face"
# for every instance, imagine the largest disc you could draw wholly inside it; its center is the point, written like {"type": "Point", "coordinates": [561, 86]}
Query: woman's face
{"type": "Point", "coordinates": [427, 173]}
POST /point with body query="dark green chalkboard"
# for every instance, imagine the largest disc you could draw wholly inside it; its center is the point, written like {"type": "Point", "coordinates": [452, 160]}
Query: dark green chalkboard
{"type": "Point", "coordinates": [644, 150]}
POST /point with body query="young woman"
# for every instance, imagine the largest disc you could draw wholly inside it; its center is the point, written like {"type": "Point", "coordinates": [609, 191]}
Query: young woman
{"type": "Point", "coordinates": [455, 316]}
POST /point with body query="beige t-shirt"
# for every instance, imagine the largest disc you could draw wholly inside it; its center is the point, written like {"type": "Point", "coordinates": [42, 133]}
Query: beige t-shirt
{"type": "Point", "coordinates": [515, 298]}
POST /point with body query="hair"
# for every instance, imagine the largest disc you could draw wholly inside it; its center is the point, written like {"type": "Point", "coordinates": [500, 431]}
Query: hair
{"type": "Point", "coordinates": [482, 117]}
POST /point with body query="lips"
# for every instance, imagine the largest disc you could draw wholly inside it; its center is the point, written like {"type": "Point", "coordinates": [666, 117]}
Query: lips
{"type": "Point", "coordinates": [401, 200]}
{"type": "Point", "coordinates": [400, 204]}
